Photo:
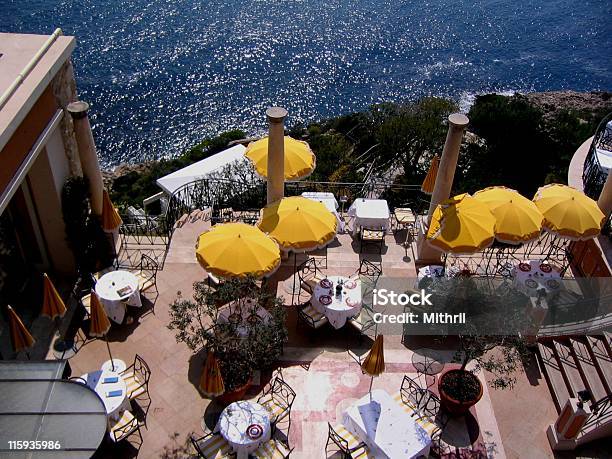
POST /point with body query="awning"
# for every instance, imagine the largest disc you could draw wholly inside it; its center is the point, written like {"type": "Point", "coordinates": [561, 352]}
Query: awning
{"type": "Point", "coordinates": [172, 182]}
{"type": "Point", "coordinates": [36, 405]}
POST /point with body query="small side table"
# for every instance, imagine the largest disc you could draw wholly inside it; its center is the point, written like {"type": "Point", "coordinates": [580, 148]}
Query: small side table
{"type": "Point", "coordinates": [427, 362]}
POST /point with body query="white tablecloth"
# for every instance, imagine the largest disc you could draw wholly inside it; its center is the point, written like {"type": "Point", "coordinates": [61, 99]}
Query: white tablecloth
{"type": "Point", "coordinates": [109, 288]}
{"type": "Point", "coordinates": [233, 424]}
{"type": "Point", "coordinates": [341, 308]}
{"type": "Point", "coordinates": [329, 200]}
{"type": "Point", "coordinates": [388, 430]}
{"type": "Point", "coordinates": [322, 196]}
{"type": "Point", "coordinates": [248, 307]}
{"type": "Point", "coordinates": [529, 278]}
{"type": "Point", "coordinates": [113, 405]}
{"type": "Point", "coordinates": [369, 213]}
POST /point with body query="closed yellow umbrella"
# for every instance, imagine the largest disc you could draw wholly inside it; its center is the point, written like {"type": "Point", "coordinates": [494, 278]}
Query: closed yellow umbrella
{"type": "Point", "coordinates": [299, 159]}
{"type": "Point", "coordinates": [211, 382]}
{"type": "Point", "coordinates": [427, 186]}
{"type": "Point", "coordinates": [298, 223]}
{"type": "Point", "coordinates": [517, 219]}
{"type": "Point", "coordinates": [53, 305]}
{"type": "Point", "coordinates": [461, 225]}
{"type": "Point", "coordinates": [374, 363]}
{"type": "Point", "coordinates": [99, 323]}
{"type": "Point", "coordinates": [568, 212]}
{"type": "Point", "coordinates": [110, 217]}
{"type": "Point", "coordinates": [237, 250]}
{"type": "Point", "coordinates": [20, 336]}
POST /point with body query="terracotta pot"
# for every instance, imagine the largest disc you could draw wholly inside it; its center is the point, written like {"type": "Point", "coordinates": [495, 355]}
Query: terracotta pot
{"type": "Point", "coordinates": [453, 406]}
{"type": "Point", "coordinates": [233, 396]}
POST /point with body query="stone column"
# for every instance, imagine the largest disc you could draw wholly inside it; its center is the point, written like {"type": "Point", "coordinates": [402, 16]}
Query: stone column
{"type": "Point", "coordinates": [457, 123]}
{"type": "Point", "coordinates": [605, 197]}
{"type": "Point", "coordinates": [64, 90]}
{"type": "Point", "coordinates": [563, 433]}
{"type": "Point", "coordinates": [448, 162]}
{"type": "Point", "coordinates": [276, 153]}
{"type": "Point", "coordinates": [87, 153]}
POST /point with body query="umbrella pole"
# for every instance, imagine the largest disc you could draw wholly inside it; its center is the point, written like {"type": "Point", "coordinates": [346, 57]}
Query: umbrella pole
{"type": "Point", "coordinates": [109, 353]}
{"type": "Point", "coordinates": [294, 268]}
{"type": "Point", "coordinates": [370, 390]}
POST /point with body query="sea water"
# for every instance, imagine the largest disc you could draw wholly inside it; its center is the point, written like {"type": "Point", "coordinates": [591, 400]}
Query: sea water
{"type": "Point", "coordinates": [161, 75]}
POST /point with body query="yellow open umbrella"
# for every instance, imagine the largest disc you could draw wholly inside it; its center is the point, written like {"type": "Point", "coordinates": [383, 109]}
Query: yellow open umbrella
{"type": "Point", "coordinates": [110, 217]}
{"type": "Point", "coordinates": [374, 363]}
{"type": "Point", "coordinates": [237, 250]}
{"type": "Point", "coordinates": [99, 323]}
{"type": "Point", "coordinates": [298, 223]}
{"type": "Point", "coordinates": [517, 219]}
{"type": "Point", "coordinates": [53, 305]}
{"type": "Point", "coordinates": [20, 336]}
{"type": "Point", "coordinates": [427, 186]}
{"type": "Point", "coordinates": [299, 158]}
{"type": "Point", "coordinates": [461, 225]}
{"type": "Point", "coordinates": [211, 382]}
{"type": "Point", "coordinates": [568, 212]}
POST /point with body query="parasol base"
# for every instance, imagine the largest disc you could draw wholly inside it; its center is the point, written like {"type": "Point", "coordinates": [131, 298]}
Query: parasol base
{"type": "Point", "coordinates": [64, 349]}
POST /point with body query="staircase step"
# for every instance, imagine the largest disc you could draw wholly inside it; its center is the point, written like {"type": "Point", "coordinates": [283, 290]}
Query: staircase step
{"type": "Point", "coordinates": [588, 370]}
{"type": "Point", "coordinates": [570, 371]}
{"type": "Point", "coordinates": [602, 360]}
{"type": "Point", "coordinates": [552, 373]}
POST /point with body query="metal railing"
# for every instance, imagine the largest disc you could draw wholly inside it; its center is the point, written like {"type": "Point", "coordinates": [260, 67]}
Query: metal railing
{"type": "Point", "coordinates": [213, 194]}
{"type": "Point", "coordinates": [217, 194]}
{"type": "Point", "coordinates": [593, 177]}
{"type": "Point", "coordinates": [601, 413]}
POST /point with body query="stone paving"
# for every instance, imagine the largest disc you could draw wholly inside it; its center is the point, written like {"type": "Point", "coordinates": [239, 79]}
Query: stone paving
{"type": "Point", "coordinates": [324, 376]}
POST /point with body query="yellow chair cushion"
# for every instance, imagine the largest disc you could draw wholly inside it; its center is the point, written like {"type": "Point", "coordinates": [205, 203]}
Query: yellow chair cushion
{"type": "Point", "coordinates": [135, 387]}
{"type": "Point", "coordinates": [276, 409]}
{"type": "Point", "coordinates": [126, 419]}
{"type": "Point", "coordinates": [144, 281]}
{"type": "Point", "coordinates": [372, 235]}
{"type": "Point", "coordinates": [272, 449]}
{"type": "Point", "coordinates": [409, 408]}
{"type": "Point", "coordinates": [215, 447]}
{"type": "Point", "coordinates": [405, 215]}
{"type": "Point", "coordinates": [352, 440]}
{"type": "Point", "coordinates": [318, 318]}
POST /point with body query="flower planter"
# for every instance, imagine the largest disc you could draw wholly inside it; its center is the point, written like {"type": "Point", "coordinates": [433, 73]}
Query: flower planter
{"type": "Point", "coordinates": [452, 405]}
{"type": "Point", "coordinates": [234, 395]}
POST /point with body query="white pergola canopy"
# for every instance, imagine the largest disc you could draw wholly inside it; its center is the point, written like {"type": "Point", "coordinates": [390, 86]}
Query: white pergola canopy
{"type": "Point", "coordinates": [172, 182]}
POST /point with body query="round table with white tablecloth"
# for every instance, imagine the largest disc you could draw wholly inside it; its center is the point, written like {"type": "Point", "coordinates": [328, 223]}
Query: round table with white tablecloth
{"type": "Point", "coordinates": [245, 425]}
{"type": "Point", "coordinates": [533, 276]}
{"type": "Point", "coordinates": [116, 287]}
{"type": "Point", "coordinates": [336, 308]}
{"type": "Point", "coordinates": [111, 388]}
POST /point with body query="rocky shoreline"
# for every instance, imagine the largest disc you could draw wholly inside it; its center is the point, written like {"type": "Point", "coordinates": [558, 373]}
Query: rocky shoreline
{"type": "Point", "coordinates": [550, 102]}
{"type": "Point", "coordinates": [554, 101]}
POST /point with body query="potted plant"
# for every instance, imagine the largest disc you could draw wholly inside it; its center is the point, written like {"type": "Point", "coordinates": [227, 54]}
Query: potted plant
{"type": "Point", "coordinates": [491, 339]}
{"type": "Point", "coordinates": [241, 346]}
